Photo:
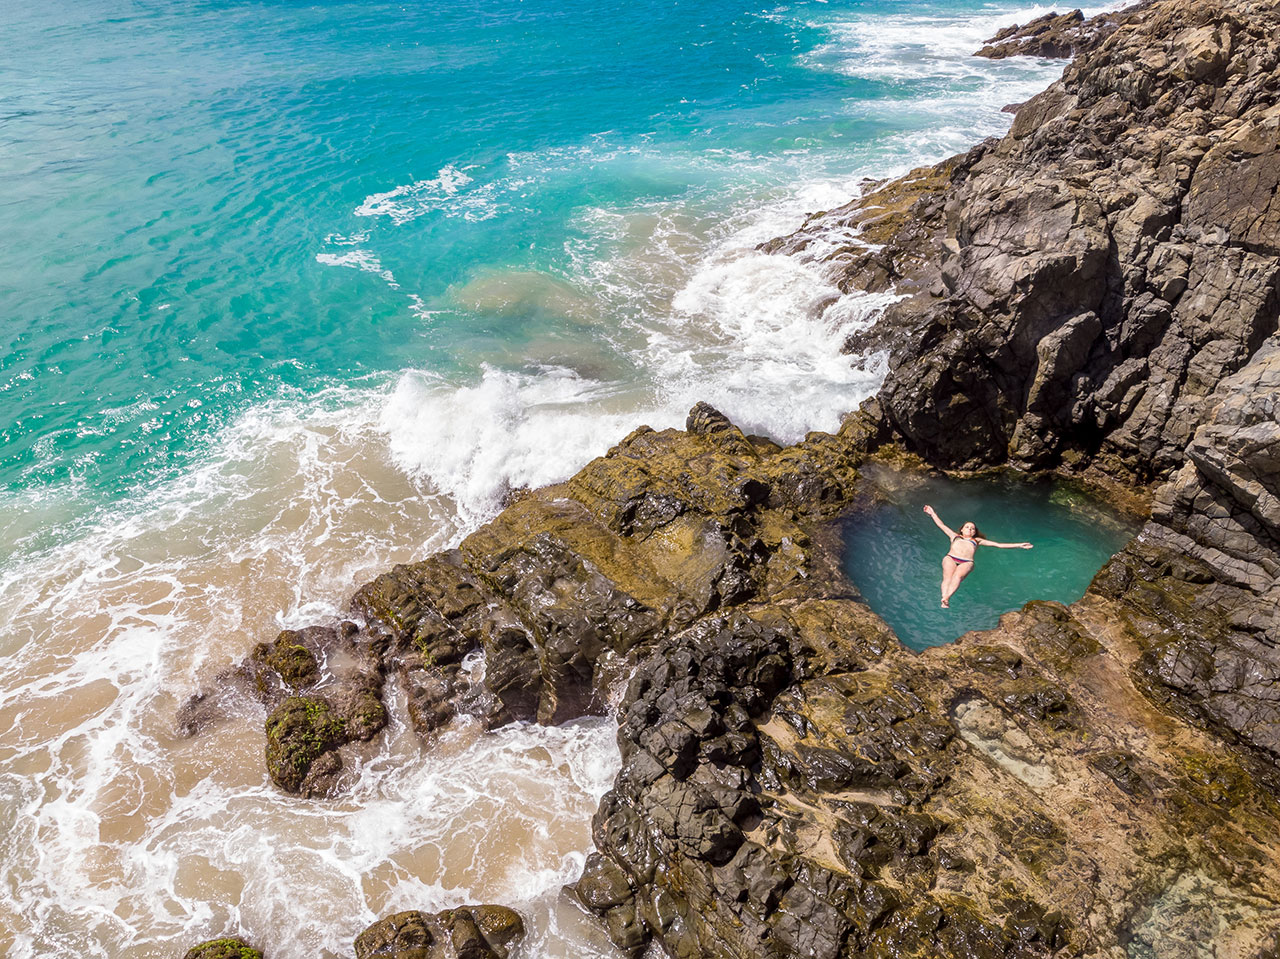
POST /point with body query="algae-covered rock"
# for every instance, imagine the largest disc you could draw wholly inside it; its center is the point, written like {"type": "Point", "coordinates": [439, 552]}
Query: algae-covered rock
{"type": "Point", "coordinates": [468, 932]}
{"type": "Point", "coordinates": [562, 593]}
{"type": "Point", "coordinates": [228, 948]}
{"type": "Point", "coordinates": [975, 800]}
{"type": "Point", "coordinates": [289, 659]}
{"type": "Point", "coordinates": [302, 734]}
{"type": "Point", "coordinates": [346, 659]}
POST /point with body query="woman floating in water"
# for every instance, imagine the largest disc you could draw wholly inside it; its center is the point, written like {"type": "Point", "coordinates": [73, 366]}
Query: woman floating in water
{"type": "Point", "coordinates": [959, 559]}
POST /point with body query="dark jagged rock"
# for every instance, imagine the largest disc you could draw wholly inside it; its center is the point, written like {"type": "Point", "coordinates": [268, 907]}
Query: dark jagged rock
{"type": "Point", "coordinates": [773, 801]}
{"type": "Point", "coordinates": [1203, 580]}
{"type": "Point", "coordinates": [1072, 304]}
{"type": "Point", "coordinates": [1054, 35]}
{"type": "Point", "coordinates": [561, 589]}
{"type": "Point", "coordinates": [706, 419]}
{"type": "Point", "coordinates": [229, 948]}
{"type": "Point", "coordinates": [561, 593]}
{"type": "Point", "coordinates": [468, 932]}
{"type": "Point", "coordinates": [303, 734]}
{"type": "Point", "coordinates": [1079, 287]}
{"type": "Point", "coordinates": [1100, 291]}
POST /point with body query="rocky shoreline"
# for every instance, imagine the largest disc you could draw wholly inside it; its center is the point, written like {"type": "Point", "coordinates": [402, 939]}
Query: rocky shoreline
{"type": "Point", "coordinates": [1095, 294]}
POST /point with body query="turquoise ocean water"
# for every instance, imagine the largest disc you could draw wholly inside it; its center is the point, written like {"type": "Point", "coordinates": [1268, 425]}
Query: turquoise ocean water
{"type": "Point", "coordinates": [292, 291]}
{"type": "Point", "coordinates": [209, 206]}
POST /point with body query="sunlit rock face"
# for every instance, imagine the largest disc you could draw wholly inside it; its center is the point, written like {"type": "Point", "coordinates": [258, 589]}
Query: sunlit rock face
{"type": "Point", "coordinates": [1082, 285]}
{"type": "Point", "coordinates": [1093, 293]}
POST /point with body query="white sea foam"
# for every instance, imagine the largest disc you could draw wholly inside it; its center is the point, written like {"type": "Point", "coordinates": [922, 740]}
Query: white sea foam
{"type": "Point", "coordinates": [912, 47]}
{"type": "Point", "coordinates": [412, 200]}
{"type": "Point", "coordinates": [363, 260]}
{"type": "Point", "coordinates": [496, 817]}
{"type": "Point", "coordinates": [782, 324]}
{"type": "Point", "coordinates": [136, 841]}
{"type": "Point", "coordinates": [510, 430]}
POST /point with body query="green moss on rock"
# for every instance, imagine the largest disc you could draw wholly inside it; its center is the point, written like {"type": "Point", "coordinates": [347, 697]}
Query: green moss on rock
{"type": "Point", "coordinates": [365, 716]}
{"type": "Point", "coordinates": [289, 659]}
{"type": "Point", "coordinates": [227, 948]}
{"type": "Point", "coordinates": [298, 732]}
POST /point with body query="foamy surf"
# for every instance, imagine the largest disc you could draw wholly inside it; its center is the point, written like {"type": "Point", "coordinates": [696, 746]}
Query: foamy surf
{"type": "Point", "coordinates": [936, 46]}
{"type": "Point", "coordinates": [150, 850]}
{"type": "Point", "coordinates": [411, 200]}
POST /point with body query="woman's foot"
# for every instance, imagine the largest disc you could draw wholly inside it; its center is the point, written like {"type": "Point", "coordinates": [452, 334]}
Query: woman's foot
{"type": "Point", "coordinates": [945, 604]}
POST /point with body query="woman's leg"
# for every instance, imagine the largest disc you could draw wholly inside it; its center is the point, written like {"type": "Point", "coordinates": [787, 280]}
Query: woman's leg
{"type": "Point", "coordinates": [950, 586]}
{"type": "Point", "coordinates": [948, 572]}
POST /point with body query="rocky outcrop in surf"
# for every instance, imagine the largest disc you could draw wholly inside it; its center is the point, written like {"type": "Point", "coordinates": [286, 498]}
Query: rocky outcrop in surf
{"type": "Point", "coordinates": [468, 932]}
{"type": "Point", "coordinates": [317, 716]}
{"type": "Point", "coordinates": [227, 948]}
{"type": "Point", "coordinates": [1054, 35]}
{"type": "Point", "coordinates": [559, 593]}
{"type": "Point", "coordinates": [1097, 294]}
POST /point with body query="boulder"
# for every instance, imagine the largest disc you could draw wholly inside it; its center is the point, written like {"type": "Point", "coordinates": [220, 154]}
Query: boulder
{"type": "Point", "coordinates": [229, 948]}
{"type": "Point", "coordinates": [468, 932]}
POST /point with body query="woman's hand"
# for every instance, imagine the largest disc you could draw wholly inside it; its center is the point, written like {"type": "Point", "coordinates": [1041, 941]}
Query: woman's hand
{"type": "Point", "coordinates": [1024, 546]}
{"type": "Point", "coordinates": [929, 510]}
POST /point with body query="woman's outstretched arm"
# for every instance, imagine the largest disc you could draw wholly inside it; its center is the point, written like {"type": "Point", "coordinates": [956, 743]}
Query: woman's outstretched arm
{"type": "Point", "coordinates": [941, 525]}
{"type": "Point", "coordinates": [987, 542]}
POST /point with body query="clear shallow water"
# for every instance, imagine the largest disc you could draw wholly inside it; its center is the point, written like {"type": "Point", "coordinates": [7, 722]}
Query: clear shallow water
{"type": "Point", "coordinates": [295, 291]}
{"type": "Point", "coordinates": [893, 553]}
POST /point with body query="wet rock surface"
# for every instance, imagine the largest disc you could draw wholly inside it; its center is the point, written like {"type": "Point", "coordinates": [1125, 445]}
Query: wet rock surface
{"type": "Point", "coordinates": [1078, 289]}
{"type": "Point", "coordinates": [1097, 294]}
{"type": "Point", "coordinates": [322, 689]}
{"type": "Point", "coordinates": [560, 596]}
{"type": "Point", "coordinates": [1065, 784]}
{"type": "Point", "coordinates": [227, 948]}
{"type": "Point", "coordinates": [468, 932]}
{"type": "Point", "coordinates": [1014, 796]}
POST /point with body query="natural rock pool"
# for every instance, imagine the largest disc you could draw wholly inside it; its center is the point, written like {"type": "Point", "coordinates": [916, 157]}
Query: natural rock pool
{"type": "Point", "coordinates": [893, 551]}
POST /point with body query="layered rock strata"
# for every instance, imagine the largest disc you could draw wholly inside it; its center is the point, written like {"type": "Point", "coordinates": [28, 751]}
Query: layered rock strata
{"type": "Point", "coordinates": [1078, 289]}
{"type": "Point", "coordinates": [1095, 293]}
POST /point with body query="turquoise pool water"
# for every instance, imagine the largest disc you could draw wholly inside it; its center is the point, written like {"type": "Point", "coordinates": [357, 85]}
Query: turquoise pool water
{"type": "Point", "coordinates": [893, 552]}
